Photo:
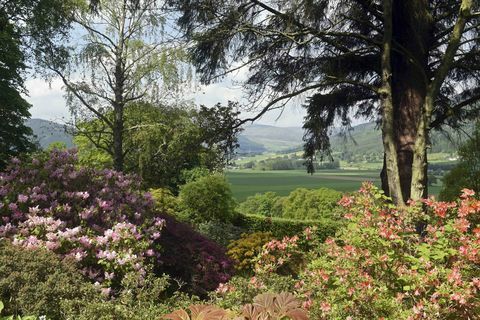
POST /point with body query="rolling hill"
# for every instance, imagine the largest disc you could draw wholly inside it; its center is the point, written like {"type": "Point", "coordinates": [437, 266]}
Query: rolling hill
{"type": "Point", "coordinates": [47, 132]}
{"type": "Point", "coordinates": [363, 141]}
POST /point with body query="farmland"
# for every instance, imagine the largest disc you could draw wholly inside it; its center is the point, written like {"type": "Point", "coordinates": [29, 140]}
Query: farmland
{"type": "Point", "coordinates": [249, 182]}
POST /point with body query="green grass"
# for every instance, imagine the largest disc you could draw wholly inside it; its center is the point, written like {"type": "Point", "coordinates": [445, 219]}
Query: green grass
{"type": "Point", "coordinates": [249, 182]}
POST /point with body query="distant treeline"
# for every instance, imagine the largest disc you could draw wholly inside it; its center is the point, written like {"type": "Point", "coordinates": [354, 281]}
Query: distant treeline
{"type": "Point", "coordinates": [288, 163]}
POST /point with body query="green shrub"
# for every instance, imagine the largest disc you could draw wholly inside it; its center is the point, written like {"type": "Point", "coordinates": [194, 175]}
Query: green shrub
{"type": "Point", "coordinates": [137, 301]}
{"type": "Point", "coordinates": [309, 204]}
{"type": "Point", "coordinates": [280, 227]}
{"type": "Point", "coordinates": [221, 232]}
{"type": "Point", "coordinates": [266, 204]}
{"type": "Point", "coordinates": [466, 174]}
{"type": "Point", "coordinates": [207, 199]}
{"type": "Point", "coordinates": [244, 250]}
{"type": "Point", "coordinates": [34, 282]}
{"type": "Point", "coordinates": [164, 201]}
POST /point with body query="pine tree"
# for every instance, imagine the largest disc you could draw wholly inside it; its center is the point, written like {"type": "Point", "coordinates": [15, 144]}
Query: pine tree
{"type": "Point", "coordinates": [412, 65]}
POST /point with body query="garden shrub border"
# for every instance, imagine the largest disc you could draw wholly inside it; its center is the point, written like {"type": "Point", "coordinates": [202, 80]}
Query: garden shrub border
{"type": "Point", "coordinates": [282, 227]}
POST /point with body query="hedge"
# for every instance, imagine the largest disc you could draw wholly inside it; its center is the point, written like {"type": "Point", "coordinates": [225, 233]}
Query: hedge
{"type": "Point", "coordinates": [281, 227]}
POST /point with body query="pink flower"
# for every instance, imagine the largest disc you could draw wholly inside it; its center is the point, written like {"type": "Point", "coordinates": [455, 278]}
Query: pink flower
{"type": "Point", "coordinates": [307, 304]}
{"type": "Point", "coordinates": [466, 193]}
{"type": "Point", "coordinates": [51, 245]}
{"type": "Point", "coordinates": [346, 201]}
{"type": "Point", "coordinates": [325, 307]}
{"type": "Point", "coordinates": [462, 225]}
{"type": "Point", "coordinates": [22, 198]}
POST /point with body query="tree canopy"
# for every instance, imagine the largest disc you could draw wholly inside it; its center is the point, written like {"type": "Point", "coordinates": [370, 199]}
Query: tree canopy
{"type": "Point", "coordinates": [121, 57]}
{"type": "Point", "coordinates": [411, 65]}
{"type": "Point", "coordinates": [27, 28]}
{"type": "Point", "coordinates": [161, 142]}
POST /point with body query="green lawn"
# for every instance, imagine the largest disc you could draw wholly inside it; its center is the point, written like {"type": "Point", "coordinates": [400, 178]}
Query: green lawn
{"type": "Point", "coordinates": [249, 182]}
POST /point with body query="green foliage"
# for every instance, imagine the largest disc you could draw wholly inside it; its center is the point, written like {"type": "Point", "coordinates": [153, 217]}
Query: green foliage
{"type": "Point", "coordinates": [266, 204]}
{"type": "Point", "coordinates": [168, 145]}
{"type": "Point", "coordinates": [15, 136]}
{"type": "Point", "coordinates": [467, 173]}
{"type": "Point", "coordinates": [88, 154]}
{"type": "Point", "coordinates": [137, 301]}
{"type": "Point", "coordinates": [35, 282]}
{"type": "Point", "coordinates": [14, 317]}
{"type": "Point", "coordinates": [221, 232]}
{"type": "Point", "coordinates": [300, 204]}
{"type": "Point", "coordinates": [208, 198]}
{"type": "Point", "coordinates": [311, 204]}
{"type": "Point", "coordinates": [164, 201]}
{"type": "Point", "coordinates": [281, 227]}
{"type": "Point", "coordinates": [245, 250]}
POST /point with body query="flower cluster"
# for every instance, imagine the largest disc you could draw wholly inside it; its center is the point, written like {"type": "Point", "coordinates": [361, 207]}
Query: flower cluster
{"type": "Point", "coordinates": [97, 217]}
{"type": "Point", "coordinates": [415, 263]}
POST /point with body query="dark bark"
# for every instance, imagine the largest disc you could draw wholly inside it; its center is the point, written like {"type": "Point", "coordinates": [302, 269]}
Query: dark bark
{"type": "Point", "coordinates": [118, 158]}
{"type": "Point", "coordinates": [411, 37]}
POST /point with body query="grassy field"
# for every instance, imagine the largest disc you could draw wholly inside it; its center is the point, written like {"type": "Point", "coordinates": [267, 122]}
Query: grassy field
{"type": "Point", "coordinates": [249, 182]}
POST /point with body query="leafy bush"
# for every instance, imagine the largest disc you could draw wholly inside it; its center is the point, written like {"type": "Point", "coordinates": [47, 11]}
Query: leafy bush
{"type": "Point", "coordinates": [280, 227]}
{"type": "Point", "coordinates": [267, 306]}
{"type": "Point", "coordinates": [164, 201]}
{"type": "Point", "coordinates": [265, 204]}
{"type": "Point", "coordinates": [245, 250]}
{"type": "Point", "coordinates": [308, 204]}
{"type": "Point", "coordinates": [97, 217]}
{"type": "Point", "coordinates": [136, 301]}
{"type": "Point", "coordinates": [221, 232]}
{"type": "Point", "coordinates": [467, 173]}
{"type": "Point", "coordinates": [192, 258]}
{"type": "Point", "coordinates": [208, 198]}
{"type": "Point", "coordinates": [379, 266]}
{"type": "Point", "coordinates": [35, 281]}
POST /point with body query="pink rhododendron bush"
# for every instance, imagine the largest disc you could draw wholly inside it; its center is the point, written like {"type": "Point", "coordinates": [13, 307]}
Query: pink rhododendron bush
{"type": "Point", "coordinates": [421, 262]}
{"type": "Point", "coordinates": [97, 217]}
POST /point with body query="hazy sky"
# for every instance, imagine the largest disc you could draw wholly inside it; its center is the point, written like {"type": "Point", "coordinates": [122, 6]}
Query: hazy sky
{"type": "Point", "coordinates": [48, 102]}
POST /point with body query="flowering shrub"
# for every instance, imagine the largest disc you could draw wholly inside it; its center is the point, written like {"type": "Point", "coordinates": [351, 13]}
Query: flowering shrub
{"type": "Point", "coordinates": [398, 264]}
{"type": "Point", "coordinates": [97, 217]}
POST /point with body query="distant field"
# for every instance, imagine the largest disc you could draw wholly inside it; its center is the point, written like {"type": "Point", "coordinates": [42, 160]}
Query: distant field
{"type": "Point", "coordinates": [249, 182]}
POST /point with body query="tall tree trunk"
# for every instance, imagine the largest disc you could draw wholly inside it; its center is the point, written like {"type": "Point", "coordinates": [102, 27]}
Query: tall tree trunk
{"type": "Point", "coordinates": [388, 129]}
{"type": "Point", "coordinates": [419, 165]}
{"type": "Point", "coordinates": [409, 58]}
{"type": "Point", "coordinates": [118, 138]}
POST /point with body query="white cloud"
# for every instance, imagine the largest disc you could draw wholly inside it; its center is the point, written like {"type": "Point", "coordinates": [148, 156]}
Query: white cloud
{"type": "Point", "coordinates": [47, 99]}
{"type": "Point", "coordinates": [48, 102]}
